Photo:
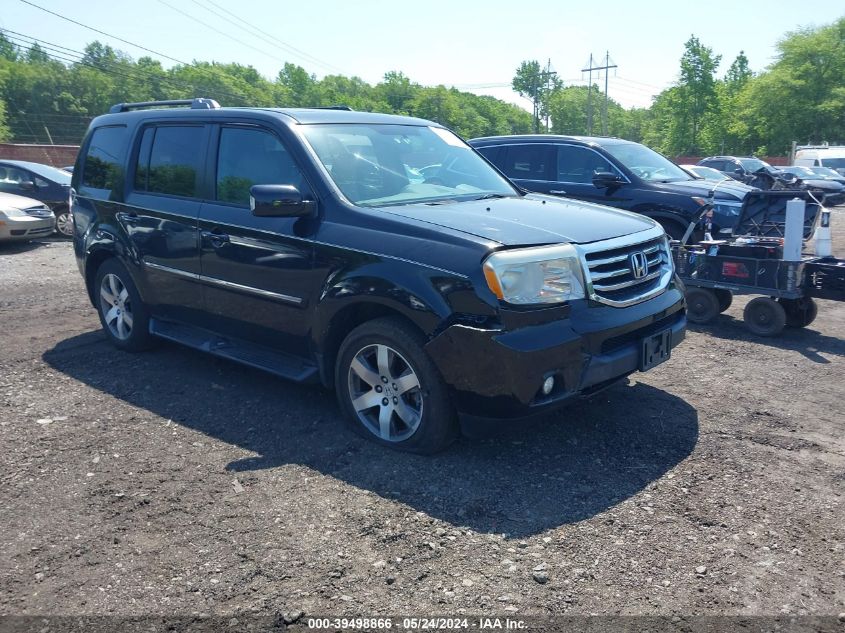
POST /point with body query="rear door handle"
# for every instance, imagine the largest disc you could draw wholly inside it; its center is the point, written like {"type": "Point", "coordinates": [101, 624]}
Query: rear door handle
{"type": "Point", "coordinates": [557, 192]}
{"type": "Point", "coordinates": [217, 240]}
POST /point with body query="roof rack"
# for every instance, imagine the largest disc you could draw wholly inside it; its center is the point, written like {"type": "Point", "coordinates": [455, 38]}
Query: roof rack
{"type": "Point", "coordinates": [198, 103]}
{"type": "Point", "coordinates": [334, 107]}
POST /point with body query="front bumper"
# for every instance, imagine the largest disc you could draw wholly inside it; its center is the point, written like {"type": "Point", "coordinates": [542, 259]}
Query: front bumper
{"type": "Point", "coordinates": [498, 373]}
{"type": "Point", "coordinates": [26, 228]}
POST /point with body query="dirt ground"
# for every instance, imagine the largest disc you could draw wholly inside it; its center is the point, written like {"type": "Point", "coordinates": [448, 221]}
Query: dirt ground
{"type": "Point", "coordinates": [171, 482]}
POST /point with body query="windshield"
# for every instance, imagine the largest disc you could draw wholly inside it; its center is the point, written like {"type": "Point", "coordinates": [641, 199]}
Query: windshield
{"type": "Point", "coordinates": [50, 173]}
{"type": "Point", "coordinates": [709, 173]}
{"type": "Point", "coordinates": [803, 172]}
{"type": "Point", "coordinates": [825, 171]}
{"type": "Point", "coordinates": [753, 164]}
{"type": "Point", "coordinates": [645, 163]}
{"type": "Point", "coordinates": [379, 165]}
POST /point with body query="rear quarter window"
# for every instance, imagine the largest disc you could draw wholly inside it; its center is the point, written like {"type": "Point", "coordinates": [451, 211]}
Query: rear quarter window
{"type": "Point", "coordinates": [102, 169]}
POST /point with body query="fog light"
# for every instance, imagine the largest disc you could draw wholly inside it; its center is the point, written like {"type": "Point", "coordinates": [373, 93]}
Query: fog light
{"type": "Point", "coordinates": [548, 385]}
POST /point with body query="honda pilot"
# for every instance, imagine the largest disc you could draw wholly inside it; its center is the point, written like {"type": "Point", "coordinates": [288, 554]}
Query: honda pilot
{"type": "Point", "coordinates": [378, 255]}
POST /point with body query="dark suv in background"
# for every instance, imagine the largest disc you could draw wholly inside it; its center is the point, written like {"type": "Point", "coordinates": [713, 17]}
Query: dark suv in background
{"type": "Point", "coordinates": [615, 173]}
{"type": "Point", "coordinates": [43, 183]}
{"type": "Point", "coordinates": [373, 253]}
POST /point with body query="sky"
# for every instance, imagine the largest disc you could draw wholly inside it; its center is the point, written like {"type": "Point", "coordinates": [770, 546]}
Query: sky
{"type": "Point", "coordinates": [473, 45]}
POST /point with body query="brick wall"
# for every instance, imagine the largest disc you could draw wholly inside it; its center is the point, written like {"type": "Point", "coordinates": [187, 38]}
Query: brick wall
{"type": "Point", "coordinates": [55, 155]}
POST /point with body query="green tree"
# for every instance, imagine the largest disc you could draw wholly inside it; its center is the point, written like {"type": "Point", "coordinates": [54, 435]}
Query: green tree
{"type": "Point", "coordinates": [698, 88]}
{"type": "Point", "coordinates": [538, 86]}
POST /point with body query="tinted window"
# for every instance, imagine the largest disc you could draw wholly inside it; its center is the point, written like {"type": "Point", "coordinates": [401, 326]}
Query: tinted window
{"type": "Point", "coordinates": [578, 164]}
{"type": "Point", "coordinates": [102, 171]}
{"type": "Point", "coordinates": [528, 162]}
{"type": "Point", "coordinates": [715, 164]}
{"type": "Point", "coordinates": [169, 160]}
{"type": "Point", "coordinates": [249, 156]}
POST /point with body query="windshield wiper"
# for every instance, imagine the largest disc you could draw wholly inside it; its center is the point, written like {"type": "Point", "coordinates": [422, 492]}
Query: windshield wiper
{"type": "Point", "coordinates": [490, 196]}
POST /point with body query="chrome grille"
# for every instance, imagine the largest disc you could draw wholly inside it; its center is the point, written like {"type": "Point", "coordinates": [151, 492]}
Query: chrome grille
{"type": "Point", "coordinates": [617, 275]}
{"type": "Point", "coordinates": [39, 212]}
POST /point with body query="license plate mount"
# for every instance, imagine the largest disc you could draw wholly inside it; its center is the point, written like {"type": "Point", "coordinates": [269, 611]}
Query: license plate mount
{"type": "Point", "coordinates": [656, 349]}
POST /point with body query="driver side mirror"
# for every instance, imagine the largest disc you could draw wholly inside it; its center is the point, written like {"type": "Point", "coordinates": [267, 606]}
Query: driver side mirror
{"type": "Point", "coordinates": [27, 185]}
{"type": "Point", "coordinates": [603, 179]}
{"type": "Point", "coordinates": [278, 201]}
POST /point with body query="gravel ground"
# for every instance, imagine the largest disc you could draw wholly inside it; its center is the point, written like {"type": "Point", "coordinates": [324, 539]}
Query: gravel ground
{"type": "Point", "coordinates": [171, 482]}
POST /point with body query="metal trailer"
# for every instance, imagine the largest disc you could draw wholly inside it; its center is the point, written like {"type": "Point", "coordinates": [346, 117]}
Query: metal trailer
{"type": "Point", "coordinates": [753, 264]}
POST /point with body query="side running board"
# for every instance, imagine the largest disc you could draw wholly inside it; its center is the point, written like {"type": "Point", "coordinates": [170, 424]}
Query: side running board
{"type": "Point", "coordinates": [279, 363]}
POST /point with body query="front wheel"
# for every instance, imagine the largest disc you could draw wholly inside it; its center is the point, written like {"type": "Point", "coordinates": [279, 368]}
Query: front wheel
{"type": "Point", "coordinates": [390, 390]}
{"type": "Point", "coordinates": [764, 316]}
{"type": "Point", "coordinates": [64, 222]}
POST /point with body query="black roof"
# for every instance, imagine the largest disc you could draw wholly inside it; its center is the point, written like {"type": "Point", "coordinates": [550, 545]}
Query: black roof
{"type": "Point", "coordinates": [293, 116]}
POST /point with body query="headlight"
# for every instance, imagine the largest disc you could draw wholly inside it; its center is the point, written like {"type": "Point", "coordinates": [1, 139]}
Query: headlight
{"type": "Point", "coordinates": [545, 274]}
{"type": "Point", "coordinates": [727, 208]}
{"type": "Point", "coordinates": [12, 213]}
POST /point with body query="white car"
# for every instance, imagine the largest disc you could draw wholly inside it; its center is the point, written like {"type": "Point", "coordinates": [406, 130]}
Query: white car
{"type": "Point", "coordinates": [23, 218]}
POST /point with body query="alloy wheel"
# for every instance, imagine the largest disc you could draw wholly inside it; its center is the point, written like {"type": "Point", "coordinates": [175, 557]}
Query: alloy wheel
{"type": "Point", "coordinates": [385, 393]}
{"type": "Point", "coordinates": [116, 306]}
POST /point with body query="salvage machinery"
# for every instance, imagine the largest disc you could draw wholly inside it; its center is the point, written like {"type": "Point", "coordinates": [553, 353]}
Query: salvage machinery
{"type": "Point", "coordinates": [765, 256]}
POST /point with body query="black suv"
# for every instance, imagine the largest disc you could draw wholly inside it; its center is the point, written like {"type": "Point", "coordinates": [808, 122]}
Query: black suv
{"type": "Point", "coordinates": [377, 254]}
{"type": "Point", "coordinates": [612, 172]}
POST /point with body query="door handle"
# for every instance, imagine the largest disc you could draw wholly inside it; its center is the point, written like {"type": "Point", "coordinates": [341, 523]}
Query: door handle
{"type": "Point", "coordinates": [557, 192]}
{"type": "Point", "coordinates": [217, 240]}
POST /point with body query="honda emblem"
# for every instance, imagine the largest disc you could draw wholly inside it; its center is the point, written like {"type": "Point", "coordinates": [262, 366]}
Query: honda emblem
{"type": "Point", "coordinates": [639, 264]}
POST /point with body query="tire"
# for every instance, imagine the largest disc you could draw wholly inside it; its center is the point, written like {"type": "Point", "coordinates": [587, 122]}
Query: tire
{"type": "Point", "coordinates": [374, 361]}
{"type": "Point", "coordinates": [724, 297]}
{"type": "Point", "coordinates": [764, 316]}
{"type": "Point", "coordinates": [702, 305]}
{"type": "Point", "coordinates": [799, 312]}
{"type": "Point", "coordinates": [674, 230]}
{"type": "Point", "coordinates": [64, 222]}
{"type": "Point", "coordinates": [123, 315]}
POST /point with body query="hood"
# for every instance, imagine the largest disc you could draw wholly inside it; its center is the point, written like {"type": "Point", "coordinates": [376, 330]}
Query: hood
{"type": "Point", "coordinates": [12, 201]}
{"type": "Point", "coordinates": [532, 219]}
{"type": "Point", "coordinates": [827, 185]}
{"type": "Point", "coordinates": [727, 190]}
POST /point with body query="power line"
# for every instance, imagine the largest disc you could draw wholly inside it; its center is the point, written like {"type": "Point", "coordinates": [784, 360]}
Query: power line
{"type": "Point", "coordinates": [77, 57]}
{"type": "Point", "coordinates": [91, 28]}
{"type": "Point", "coordinates": [269, 38]}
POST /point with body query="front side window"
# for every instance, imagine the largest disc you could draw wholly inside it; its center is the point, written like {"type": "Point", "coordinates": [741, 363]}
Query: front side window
{"type": "Point", "coordinates": [169, 160]}
{"type": "Point", "coordinates": [250, 156]}
{"type": "Point", "coordinates": [578, 164]}
{"type": "Point", "coordinates": [384, 164]}
{"type": "Point", "coordinates": [102, 171]}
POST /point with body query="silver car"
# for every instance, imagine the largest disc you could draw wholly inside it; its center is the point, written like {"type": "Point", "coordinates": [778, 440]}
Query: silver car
{"type": "Point", "coordinates": [24, 218]}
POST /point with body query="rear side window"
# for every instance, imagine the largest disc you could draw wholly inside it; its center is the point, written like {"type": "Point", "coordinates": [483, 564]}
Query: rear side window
{"type": "Point", "coordinates": [169, 160]}
{"type": "Point", "coordinates": [529, 162]}
{"type": "Point", "coordinates": [102, 170]}
{"type": "Point", "coordinates": [250, 156]}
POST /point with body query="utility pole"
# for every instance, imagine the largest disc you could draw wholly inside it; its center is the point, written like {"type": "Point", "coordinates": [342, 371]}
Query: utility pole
{"type": "Point", "coordinates": [606, 68]}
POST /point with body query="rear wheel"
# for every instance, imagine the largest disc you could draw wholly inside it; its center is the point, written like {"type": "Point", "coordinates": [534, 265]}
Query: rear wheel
{"type": "Point", "coordinates": [799, 312]}
{"type": "Point", "coordinates": [764, 316]}
{"type": "Point", "coordinates": [702, 305]}
{"type": "Point", "coordinates": [390, 389]}
{"type": "Point", "coordinates": [123, 315]}
{"type": "Point", "coordinates": [724, 297]}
